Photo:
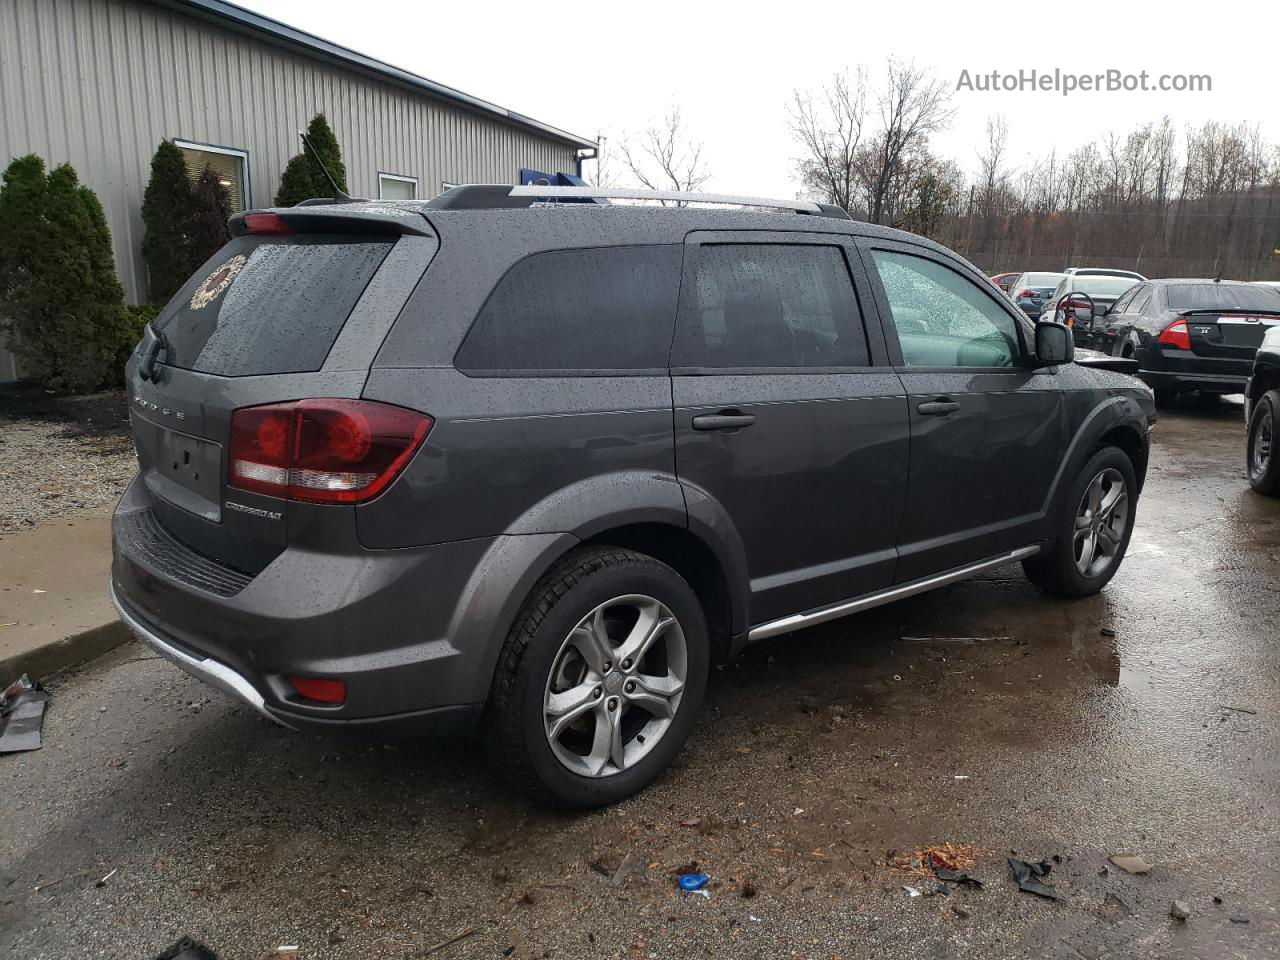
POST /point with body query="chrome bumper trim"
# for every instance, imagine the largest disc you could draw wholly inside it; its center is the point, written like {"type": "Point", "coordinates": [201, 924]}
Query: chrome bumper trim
{"type": "Point", "coordinates": [215, 674]}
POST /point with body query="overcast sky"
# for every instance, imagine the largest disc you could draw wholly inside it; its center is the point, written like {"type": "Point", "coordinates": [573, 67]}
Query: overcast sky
{"type": "Point", "coordinates": [733, 67]}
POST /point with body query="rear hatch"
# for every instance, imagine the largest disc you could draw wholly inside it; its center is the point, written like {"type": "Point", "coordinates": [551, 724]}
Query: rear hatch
{"type": "Point", "coordinates": [294, 307]}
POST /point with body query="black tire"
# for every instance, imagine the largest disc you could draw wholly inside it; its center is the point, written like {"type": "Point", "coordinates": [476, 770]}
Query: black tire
{"type": "Point", "coordinates": [1263, 465]}
{"type": "Point", "coordinates": [1164, 395]}
{"type": "Point", "coordinates": [516, 734]}
{"type": "Point", "coordinates": [1054, 570]}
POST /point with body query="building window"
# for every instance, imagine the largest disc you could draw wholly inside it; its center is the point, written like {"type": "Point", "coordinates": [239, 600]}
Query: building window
{"type": "Point", "coordinates": [393, 186]}
{"type": "Point", "coordinates": [446, 185]}
{"type": "Point", "coordinates": [230, 164]}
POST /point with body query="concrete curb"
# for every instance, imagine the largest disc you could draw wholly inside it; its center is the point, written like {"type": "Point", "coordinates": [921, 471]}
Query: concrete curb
{"type": "Point", "coordinates": [71, 651]}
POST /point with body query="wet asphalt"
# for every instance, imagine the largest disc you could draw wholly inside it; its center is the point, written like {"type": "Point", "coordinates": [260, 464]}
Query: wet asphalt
{"type": "Point", "coordinates": [982, 716]}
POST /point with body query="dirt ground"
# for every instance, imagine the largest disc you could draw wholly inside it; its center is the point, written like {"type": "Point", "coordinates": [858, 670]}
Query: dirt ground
{"type": "Point", "coordinates": [982, 716]}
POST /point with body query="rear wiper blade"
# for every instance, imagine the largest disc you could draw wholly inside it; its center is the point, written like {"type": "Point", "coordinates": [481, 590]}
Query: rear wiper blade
{"type": "Point", "coordinates": [152, 343]}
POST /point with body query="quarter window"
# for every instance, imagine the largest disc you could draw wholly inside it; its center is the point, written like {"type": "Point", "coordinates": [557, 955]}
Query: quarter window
{"type": "Point", "coordinates": [770, 305]}
{"type": "Point", "coordinates": [606, 309]}
{"type": "Point", "coordinates": [943, 319]}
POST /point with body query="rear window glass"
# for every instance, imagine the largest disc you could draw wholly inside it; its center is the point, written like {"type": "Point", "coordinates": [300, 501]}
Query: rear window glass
{"type": "Point", "coordinates": [1221, 296]}
{"type": "Point", "coordinates": [265, 305]}
{"type": "Point", "coordinates": [1102, 286]}
{"type": "Point", "coordinates": [1042, 280]}
{"type": "Point", "coordinates": [603, 308]}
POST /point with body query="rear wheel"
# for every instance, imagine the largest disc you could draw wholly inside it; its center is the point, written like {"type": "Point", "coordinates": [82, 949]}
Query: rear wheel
{"type": "Point", "coordinates": [1263, 459]}
{"type": "Point", "coordinates": [1093, 529]}
{"type": "Point", "coordinates": [600, 679]}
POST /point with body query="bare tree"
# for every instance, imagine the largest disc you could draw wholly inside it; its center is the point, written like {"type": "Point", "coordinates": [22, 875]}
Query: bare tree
{"type": "Point", "coordinates": [992, 176]}
{"type": "Point", "coordinates": [664, 158]}
{"type": "Point", "coordinates": [606, 163]}
{"type": "Point", "coordinates": [913, 106]}
{"type": "Point", "coordinates": [828, 126]}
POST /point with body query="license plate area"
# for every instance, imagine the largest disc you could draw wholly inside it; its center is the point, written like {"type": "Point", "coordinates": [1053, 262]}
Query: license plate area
{"type": "Point", "coordinates": [1241, 332]}
{"type": "Point", "coordinates": [187, 471]}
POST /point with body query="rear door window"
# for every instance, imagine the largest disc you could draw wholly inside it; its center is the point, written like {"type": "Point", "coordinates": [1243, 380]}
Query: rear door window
{"type": "Point", "coordinates": [607, 309]}
{"type": "Point", "coordinates": [770, 305]}
{"type": "Point", "coordinates": [265, 305]}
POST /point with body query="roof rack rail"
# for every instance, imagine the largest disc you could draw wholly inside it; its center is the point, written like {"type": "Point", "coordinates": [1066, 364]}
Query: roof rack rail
{"type": "Point", "coordinates": [678, 196]}
{"type": "Point", "coordinates": [502, 196]}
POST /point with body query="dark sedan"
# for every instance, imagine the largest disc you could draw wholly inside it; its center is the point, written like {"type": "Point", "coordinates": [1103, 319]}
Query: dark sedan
{"type": "Point", "coordinates": [1192, 334]}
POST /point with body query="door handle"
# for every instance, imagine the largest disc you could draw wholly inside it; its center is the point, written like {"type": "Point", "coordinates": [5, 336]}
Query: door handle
{"type": "Point", "coordinates": [938, 408]}
{"type": "Point", "coordinates": [725, 420]}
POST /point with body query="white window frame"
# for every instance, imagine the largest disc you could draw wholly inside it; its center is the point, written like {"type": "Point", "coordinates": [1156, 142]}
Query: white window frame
{"type": "Point", "coordinates": [446, 185]}
{"type": "Point", "coordinates": [399, 178]}
{"type": "Point", "coordinates": [247, 199]}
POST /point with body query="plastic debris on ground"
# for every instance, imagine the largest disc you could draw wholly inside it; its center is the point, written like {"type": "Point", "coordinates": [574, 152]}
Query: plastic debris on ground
{"type": "Point", "coordinates": [922, 862]}
{"type": "Point", "coordinates": [912, 891]}
{"type": "Point", "coordinates": [1179, 910]}
{"type": "Point", "coordinates": [1130, 863]}
{"type": "Point", "coordinates": [22, 715]}
{"type": "Point", "coordinates": [956, 876]}
{"type": "Point", "coordinates": [1028, 877]}
{"type": "Point", "coordinates": [693, 882]}
{"type": "Point", "coordinates": [187, 949]}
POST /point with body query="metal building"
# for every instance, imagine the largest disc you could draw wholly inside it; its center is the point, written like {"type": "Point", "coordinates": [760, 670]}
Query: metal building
{"type": "Point", "coordinates": [100, 83]}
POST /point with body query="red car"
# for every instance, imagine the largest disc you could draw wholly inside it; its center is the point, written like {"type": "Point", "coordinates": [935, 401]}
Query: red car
{"type": "Point", "coordinates": [1003, 280]}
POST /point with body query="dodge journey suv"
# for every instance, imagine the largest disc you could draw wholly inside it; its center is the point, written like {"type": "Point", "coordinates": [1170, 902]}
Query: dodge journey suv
{"type": "Point", "coordinates": [507, 463]}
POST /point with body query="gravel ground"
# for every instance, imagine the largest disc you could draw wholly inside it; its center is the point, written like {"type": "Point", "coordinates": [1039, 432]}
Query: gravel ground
{"type": "Point", "coordinates": [61, 457]}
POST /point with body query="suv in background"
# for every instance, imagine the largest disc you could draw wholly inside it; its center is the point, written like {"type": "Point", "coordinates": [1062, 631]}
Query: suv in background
{"type": "Point", "coordinates": [1191, 334]}
{"type": "Point", "coordinates": [499, 461]}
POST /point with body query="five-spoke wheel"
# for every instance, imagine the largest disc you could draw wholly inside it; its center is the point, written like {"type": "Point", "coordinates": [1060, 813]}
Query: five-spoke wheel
{"type": "Point", "coordinates": [1101, 520]}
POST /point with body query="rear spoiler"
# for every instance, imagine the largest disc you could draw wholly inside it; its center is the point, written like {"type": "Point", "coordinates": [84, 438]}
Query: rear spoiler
{"type": "Point", "coordinates": [360, 216]}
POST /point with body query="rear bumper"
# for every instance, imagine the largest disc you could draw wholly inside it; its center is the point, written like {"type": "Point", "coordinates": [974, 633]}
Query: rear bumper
{"type": "Point", "coordinates": [414, 633]}
{"type": "Point", "coordinates": [1189, 380]}
{"type": "Point", "coordinates": [1184, 370]}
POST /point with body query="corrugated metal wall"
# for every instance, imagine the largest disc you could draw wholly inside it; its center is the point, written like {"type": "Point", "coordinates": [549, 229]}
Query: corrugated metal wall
{"type": "Point", "coordinates": [100, 82]}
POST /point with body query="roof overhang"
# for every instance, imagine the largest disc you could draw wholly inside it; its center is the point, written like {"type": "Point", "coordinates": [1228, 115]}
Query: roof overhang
{"type": "Point", "coordinates": [264, 28]}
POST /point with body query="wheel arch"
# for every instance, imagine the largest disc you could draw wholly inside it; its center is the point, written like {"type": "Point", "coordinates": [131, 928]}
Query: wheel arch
{"type": "Point", "coordinates": [1118, 421]}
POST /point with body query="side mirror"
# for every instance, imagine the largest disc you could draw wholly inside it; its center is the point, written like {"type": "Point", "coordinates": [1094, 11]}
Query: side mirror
{"type": "Point", "coordinates": [1054, 344]}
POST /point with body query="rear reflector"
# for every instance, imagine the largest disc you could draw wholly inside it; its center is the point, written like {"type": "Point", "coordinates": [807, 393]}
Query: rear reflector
{"type": "Point", "coordinates": [323, 451]}
{"type": "Point", "coordinates": [265, 223]}
{"type": "Point", "coordinates": [1176, 335]}
{"type": "Point", "coordinates": [320, 689]}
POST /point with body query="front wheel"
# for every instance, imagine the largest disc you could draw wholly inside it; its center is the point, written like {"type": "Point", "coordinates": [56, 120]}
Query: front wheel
{"type": "Point", "coordinates": [600, 679]}
{"type": "Point", "coordinates": [1262, 458]}
{"type": "Point", "coordinates": [1093, 529]}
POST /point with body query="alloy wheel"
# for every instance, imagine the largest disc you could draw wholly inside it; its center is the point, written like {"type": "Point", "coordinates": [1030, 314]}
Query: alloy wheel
{"type": "Point", "coordinates": [1263, 442]}
{"type": "Point", "coordinates": [615, 685]}
{"type": "Point", "coordinates": [1101, 520]}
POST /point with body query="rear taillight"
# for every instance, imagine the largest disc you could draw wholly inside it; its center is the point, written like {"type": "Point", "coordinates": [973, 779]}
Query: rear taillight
{"type": "Point", "coordinates": [1027, 294]}
{"type": "Point", "coordinates": [1176, 335]}
{"type": "Point", "coordinates": [323, 451]}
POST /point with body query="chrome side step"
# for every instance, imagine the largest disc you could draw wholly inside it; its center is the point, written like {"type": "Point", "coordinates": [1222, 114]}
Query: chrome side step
{"type": "Point", "coordinates": [846, 607]}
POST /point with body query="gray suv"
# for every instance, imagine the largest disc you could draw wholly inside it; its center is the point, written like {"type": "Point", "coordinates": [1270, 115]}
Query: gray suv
{"type": "Point", "coordinates": [505, 462]}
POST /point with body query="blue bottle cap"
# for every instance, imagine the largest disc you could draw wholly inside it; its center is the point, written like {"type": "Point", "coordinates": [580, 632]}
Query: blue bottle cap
{"type": "Point", "coordinates": [693, 881]}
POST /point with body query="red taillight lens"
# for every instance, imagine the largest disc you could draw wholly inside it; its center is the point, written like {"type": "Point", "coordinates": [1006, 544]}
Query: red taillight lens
{"type": "Point", "coordinates": [1176, 335]}
{"type": "Point", "coordinates": [1027, 294]}
{"type": "Point", "coordinates": [320, 689]}
{"type": "Point", "coordinates": [265, 223]}
{"type": "Point", "coordinates": [323, 451]}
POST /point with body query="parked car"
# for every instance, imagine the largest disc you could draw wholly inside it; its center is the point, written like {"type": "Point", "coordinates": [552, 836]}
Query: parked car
{"type": "Point", "coordinates": [1081, 299]}
{"type": "Point", "coordinates": [493, 461]}
{"type": "Point", "coordinates": [1262, 414]}
{"type": "Point", "coordinates": [1192, 334]}
{"type": "Point", "coordinates": [1030, 291]}
{"type": "Point", "coordinates": [1004, 280]}
{"type": "Point", "coordinates": [1104, 272]}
